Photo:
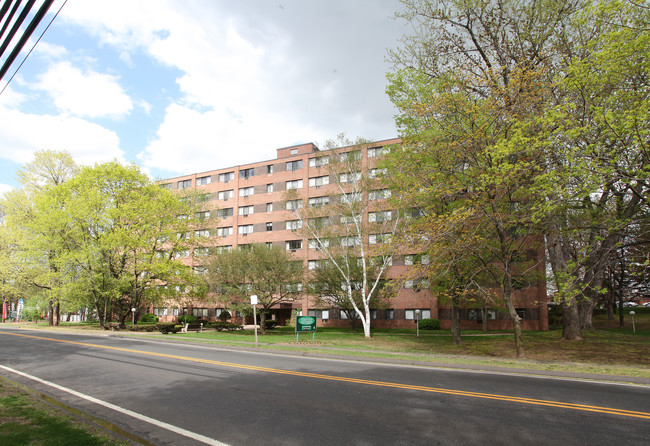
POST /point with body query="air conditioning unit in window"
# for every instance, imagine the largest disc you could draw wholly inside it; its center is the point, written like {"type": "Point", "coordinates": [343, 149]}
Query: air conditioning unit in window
{"type": "Point", "coordinates": [293, 250]}
{"type": "Point", "coordinates": [226, 199]}
{"type": "Point", "coordinates": [245, 215]}
{"type": "Point", "coordinates": [245, 234]}
{"type": "Point", "coordinates": [319, 186]}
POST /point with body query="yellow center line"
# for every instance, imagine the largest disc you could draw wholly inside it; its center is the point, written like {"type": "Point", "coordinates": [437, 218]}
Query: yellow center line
{"type": "Point", "coordinates": [538, 402]}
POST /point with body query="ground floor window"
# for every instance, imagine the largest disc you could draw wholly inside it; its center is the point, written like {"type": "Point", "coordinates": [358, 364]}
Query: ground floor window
{"type": "Point", "coordinates": [160, 311]}
{"type": "Point", "coordinates": [200, 312]}
{"type": "Point", "coordinates": [320, 314]}
{"type": "Point", "coordinates": [390, 314]}
{"type": "Point", "coordinates": [424, 314]}
{"type": "Point", "coordinates": [175, 311]}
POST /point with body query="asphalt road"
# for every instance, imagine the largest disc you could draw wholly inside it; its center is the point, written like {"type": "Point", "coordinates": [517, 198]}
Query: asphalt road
{"type": "Point", "coordinates": [171, 394]}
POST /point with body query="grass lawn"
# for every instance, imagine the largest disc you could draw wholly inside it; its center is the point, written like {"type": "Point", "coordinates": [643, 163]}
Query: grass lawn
{"type": "Point", "coordinates": [26, 420]}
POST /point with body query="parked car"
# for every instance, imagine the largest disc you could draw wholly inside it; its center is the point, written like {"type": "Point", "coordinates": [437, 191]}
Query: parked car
{"type": "Point", "coordinates": [630, 304]}
{"type": "Point", "coordinates": [647, 304]}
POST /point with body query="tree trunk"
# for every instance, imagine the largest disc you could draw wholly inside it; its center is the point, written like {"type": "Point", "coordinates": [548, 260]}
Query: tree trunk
{"type": "Point", "coordinates": [571, 328]}
{"type": "Point", "coordinates": [484, 324]}
{"type": "Point", "coordinates": [621, 318]}
{"type": "Point", "coordinates": [57, 309]}
{"type": "Point", "coordinates": [455, 324]}
{"type": "Point", "coordinates": [50, 313]}
{"type": "Point", "coordinates": [586, 311]}
{"type": "Point", "coordinates": [262, 317]}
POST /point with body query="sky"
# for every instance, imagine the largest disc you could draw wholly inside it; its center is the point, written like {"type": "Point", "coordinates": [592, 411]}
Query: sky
{"type": "Point", "coordinates": [182, 87]}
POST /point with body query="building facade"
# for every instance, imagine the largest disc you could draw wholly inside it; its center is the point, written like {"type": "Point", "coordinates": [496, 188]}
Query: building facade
{"type": "Point", "coordinates": [251, 206]}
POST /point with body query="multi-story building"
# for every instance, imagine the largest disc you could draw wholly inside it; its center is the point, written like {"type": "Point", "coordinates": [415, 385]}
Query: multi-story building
{"type": "Point", "coordinates": [252, 207]}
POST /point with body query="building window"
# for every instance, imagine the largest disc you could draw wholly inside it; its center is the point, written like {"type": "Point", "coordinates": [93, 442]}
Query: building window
{"type": "Point", "coordinates": [269, 226]}
{"type": "Point", "coordinates": [376, 151]}
{"type": "Point", "coordinates": [246, 191]}
{"type": "Point", "coordinates": [424, 314]}
{"type": "Point", "coordinates": [223, 249]}
{"type": "Point", "coordinates": [319, 161]}
{"type": "Point", "coordinates": [376, 239]}
{"type": "Point", "coordinates": [200, 270]}
{"type": "Point", "coordinates": [350, 177]}
{"type": "Point", "coordinates": [318, 202]}
{"type": "Point", "coordinates": [353, 155]}
{"type": "Point", "coordinates": [293, 225]}
{"type": "Point", "coordinates": [183, 235]}
{"type": "Point", "coordinates": [226, 212]}
{"type": "Point", "coordinates": [380, 216]}
{"type": "Point", "coordinates": [224, 232]}
{"type": "Point", "coordinates": [390, 314]}
{"type": "Point", "coordinates": [182, 254]}
{"type": "Point", "coordinates": [374, 173]}
{"type": "Point", "coordinates": [184, 184]}
{"type": "Point", "coordinates": [349, 219]}
{"type": "Point", "coordinates": [350, 241]}
{"type": "Point", "coordinates": [165, 185]}
{"type": "Point", "coordinates": [245, 229]}
{"type": "Point", "coordinates": [201, 252]}
{"type": "Point", "coordinates": [294, 184]}
{"type": "Point", "coordinates": [294, 165]}
{"type": "Point", "coordinates": [203, 215]}
{"type": "Point", "coordinates": [315, 264]}
{"type": "Point", "coordinates": [320, 314]}
{"type": "Point", "coordinates": [160, 311]}
{"type": "Point", "coordinates": [292, 205]}
{"type": "Point", "coordinates": [226, 194]}
{"type": "Point", "coordinates": [292, 245]}
{"type": "Point", "coordinates": [225, 177]}
{"type": "Point", "coordinates": [269, 245]}
{"type": "Point", "coordinates": [373, 314]}
{"type": "Point", "coordinates": [293, 152]}
{"type": "Point", "coordinates": [319, 181]}
{"type": "Point", "coordinates": [245, 210]}
{"type": "Point", "coordinates": [315, 244]}
{"type": "Point", "coordinates": [380, 194]}
{"type": "Point", "coordinates": [202, 181]}
{"type": "Point", "coordinates": [269, 207]}
{"type": "Point", "coordinates": [351, 198]}
{"type": "Point", "coordinates": [269, 188]}
{"type": "Point", "coordinates": [246, 173]}
{"type": "Point", "coordinates": [319, 222]}
{"type": "Point", "coordinates": [202, 233]}
{"type": "Point", "coordinates": [269, 168]}
{"type": "Point", "coordinates": [200, 312]}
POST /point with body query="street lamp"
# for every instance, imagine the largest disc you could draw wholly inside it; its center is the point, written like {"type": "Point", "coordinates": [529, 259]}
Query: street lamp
{"type": "Point", "coordinates": [417, 323]}
{"type": "Point", "coordinates": [133, 315]}
{"type": "Point", "coordinates": [632, 313]}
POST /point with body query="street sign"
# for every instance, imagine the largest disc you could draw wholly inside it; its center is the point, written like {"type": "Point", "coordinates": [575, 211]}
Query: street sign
{"type": "Point", "coordinates": [305, 324]}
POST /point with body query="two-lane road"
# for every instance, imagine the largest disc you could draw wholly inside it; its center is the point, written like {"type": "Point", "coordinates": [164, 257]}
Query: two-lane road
{"type": "Point", "coordinates": [188, 394]}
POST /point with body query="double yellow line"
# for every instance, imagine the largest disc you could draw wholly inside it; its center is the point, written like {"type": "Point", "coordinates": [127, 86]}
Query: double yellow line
{"type": "Point", "coordinates": [514, 399]}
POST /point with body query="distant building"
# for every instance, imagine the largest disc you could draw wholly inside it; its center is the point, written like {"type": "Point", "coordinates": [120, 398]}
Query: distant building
{"type": "Point", "coordinates": [252, 208]}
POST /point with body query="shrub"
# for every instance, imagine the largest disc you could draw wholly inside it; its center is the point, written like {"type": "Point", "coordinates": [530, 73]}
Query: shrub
{"type": "Point", "coordinates": [148, 327]}
{"type": "Point", "coordinates": [187, 319]}
{"type": "Point", "coordinates": [429, 324]}
{"type": "Point", "coordinates": [270, 323]}
{"type": "Point", "coordinates": [221, 326]}
{"type": "Point", "coordinates": [168, 327]}
{"type": "Point", "coordinates": [224, 316]}
{"type": "Point", "coordinates": [149, 317]}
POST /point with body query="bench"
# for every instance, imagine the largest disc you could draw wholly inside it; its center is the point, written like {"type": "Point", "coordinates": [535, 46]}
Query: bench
{"type": "Point", "coordinates": [114, 326]}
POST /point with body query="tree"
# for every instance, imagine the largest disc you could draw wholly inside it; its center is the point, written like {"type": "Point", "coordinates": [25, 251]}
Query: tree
{"type": "Point", "coordinates": [270, 272]}
{"type": "Point", "coordinates": [597, 181]}
{"type": "Point", "coordinates": [118, 237]}
{"type": "Point", "coordinates": [469, 84]}
{"type": "Point", "coordinates": [29, 273]}
{"type": "Point", "coordinates": [352, 225]}
{"type": "Point", "coordinates": [327, 283]}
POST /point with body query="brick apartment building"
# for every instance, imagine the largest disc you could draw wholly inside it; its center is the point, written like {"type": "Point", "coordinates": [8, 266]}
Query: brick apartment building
{"type": "Point", "coordinates": [252, 208]}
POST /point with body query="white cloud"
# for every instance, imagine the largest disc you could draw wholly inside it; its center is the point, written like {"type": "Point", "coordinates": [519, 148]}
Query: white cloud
{"type": "Point", "coordinates": [262, 76]}
{"type": "Point", "coordinates": [22, 134]}
{"type": "Point", "coordinates": [4, 188]}
{"type": "Point", "coordinates": [90, 94]}
{"type": "Point", "coordinates": [194, 141]}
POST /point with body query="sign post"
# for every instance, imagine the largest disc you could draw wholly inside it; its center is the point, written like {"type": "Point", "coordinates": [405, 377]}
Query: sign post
{"type": "Point", "coordinates": [306, 324]}
{"type": "Point", "coordinates": [254, 304]}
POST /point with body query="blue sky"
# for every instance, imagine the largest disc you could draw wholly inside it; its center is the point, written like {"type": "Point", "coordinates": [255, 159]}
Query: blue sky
{"type": "Point", "coordinates": [183, 87]}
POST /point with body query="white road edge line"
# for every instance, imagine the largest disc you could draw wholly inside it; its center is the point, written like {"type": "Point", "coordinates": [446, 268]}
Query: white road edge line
{"type": "Point", "coordinates": [169, 427]}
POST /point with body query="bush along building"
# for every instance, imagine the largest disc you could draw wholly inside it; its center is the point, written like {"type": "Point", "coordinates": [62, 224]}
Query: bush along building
{"type": "Point", "coordinates": [322, 205]}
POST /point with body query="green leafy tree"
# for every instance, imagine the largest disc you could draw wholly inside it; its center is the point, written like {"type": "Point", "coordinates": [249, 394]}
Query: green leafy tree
{"type": "Point", "coordinates": [118, 238]}
{"type": "Point", "coordinates": [270, 272]}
